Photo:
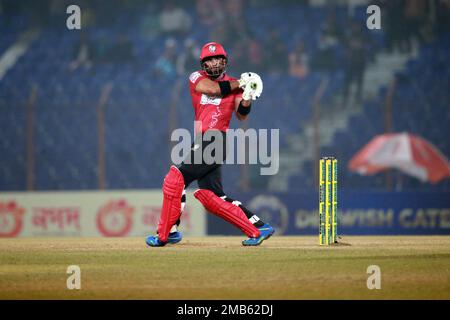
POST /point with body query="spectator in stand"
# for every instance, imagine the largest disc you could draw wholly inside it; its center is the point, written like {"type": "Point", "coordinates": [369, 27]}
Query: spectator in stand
{"type": "Point", "coordinates": [102, 50]}
{"type": "Point", "coordinates": [122, 51]}
{"type": "Point", "coordinates": [7, 12]}
{"type": "Point", "coordinates": [395, 23]}
{"type": "Point", "coordinates": [329, 39]}
{"type": "Point", "coordinates": [165, 65]}
{"type": "Point", "coordinates": [298, 61]}
{"type": "Point", "coordinates": [174, 20]}
{"type": "Point", "coordinates": [83, 54]}
{"type": "Point", "coordinates": [356, 61]}
{"type": "Point", "coordinates": [53, 12]}
{"type": "Point", "coordinates": [239, 60]}
{"type": "Point", "coordinates": [276, 56]}
{"type": "Point", "coordinates": [235, 22]}
{"type": "Point", "coordinates": [234, 9]}
{"type": "Point", "coordinates": [255, 58]}
{"type": "Point", "coordinates": [221, 34]}
{"type": "Point", "coordinates": [210, 12]}
{"type": "Point", "coordinates": [57, 12]}
{"type": "Point", "coordinates": [237, 30]}
{"type": "Point", "coordinates": [415, 17]}
{"type": "Point", "coordinates": [442, 19]}
{"type": "Point", "coordinates": [188, 61]}
{"type": "Point", "coordinates": [331, 29]}
{"type": "Point", "coordinates": [325, 58]}
{"type": "Point", "coordinates": [149, 25]}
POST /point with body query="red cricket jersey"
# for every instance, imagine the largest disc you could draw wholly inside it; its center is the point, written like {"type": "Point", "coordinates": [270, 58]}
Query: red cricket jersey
{"type": "Point", "coordinates": [214, 112]}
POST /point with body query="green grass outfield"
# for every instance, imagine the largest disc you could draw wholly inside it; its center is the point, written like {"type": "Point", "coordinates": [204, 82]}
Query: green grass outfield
{"type": "Point", "coordinates": [220, 268]}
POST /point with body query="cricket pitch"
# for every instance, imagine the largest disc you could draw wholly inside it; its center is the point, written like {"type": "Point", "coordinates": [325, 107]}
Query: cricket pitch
{"type": "Point", "coordinates": [412, 267]}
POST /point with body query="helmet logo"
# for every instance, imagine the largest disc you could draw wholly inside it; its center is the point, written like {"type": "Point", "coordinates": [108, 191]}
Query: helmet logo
{"type": "Point", "coordinates": [212, 48]}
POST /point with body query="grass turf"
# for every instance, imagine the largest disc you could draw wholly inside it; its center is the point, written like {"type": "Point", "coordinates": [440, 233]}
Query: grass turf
{"type": "Point", "coordinates": [220, 268]}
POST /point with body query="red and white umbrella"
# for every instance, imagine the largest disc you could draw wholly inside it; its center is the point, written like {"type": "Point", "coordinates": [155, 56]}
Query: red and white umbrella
{"type": "Point", "coordinates": [407, 152]}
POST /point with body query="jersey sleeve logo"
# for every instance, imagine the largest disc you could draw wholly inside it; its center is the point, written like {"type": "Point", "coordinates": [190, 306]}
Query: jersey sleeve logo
{"type": "Point", "coordinates": [194, 76]}
{"type": "Point", "coordinates": [210, 100]}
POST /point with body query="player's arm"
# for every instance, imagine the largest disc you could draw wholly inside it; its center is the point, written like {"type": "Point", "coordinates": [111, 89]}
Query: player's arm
{"type": "Point", "coordinates": [213, 88]}
{"type": "Point", "coordinates": [242, 108]}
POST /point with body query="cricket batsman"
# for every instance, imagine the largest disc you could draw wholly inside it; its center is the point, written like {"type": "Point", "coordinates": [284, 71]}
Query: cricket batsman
{"type": "Point", "coordinates": [215, 97]}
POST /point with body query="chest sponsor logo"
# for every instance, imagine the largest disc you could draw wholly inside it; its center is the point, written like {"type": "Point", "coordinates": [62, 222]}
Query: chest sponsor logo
{"type": "Point", "coordinates": [210, 100]}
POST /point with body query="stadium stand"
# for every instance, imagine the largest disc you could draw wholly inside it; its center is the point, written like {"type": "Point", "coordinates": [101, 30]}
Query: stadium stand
{"type": "Point", "coordinates": [137, 125]}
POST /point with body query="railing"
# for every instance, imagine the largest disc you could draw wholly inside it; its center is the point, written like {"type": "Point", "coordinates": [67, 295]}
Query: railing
{"type": "Point", "coordinates": [106, 90]}
{"type": "Point", "coordinates": [30, 137]}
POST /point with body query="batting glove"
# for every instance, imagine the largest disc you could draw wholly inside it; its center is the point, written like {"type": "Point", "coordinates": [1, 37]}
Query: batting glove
{"type": "Point", "coordinates": [244, 79]}
{"type": "Point", "coordinates": [248, 92]}
{"type": "Point", "coordinates": [254, 87]}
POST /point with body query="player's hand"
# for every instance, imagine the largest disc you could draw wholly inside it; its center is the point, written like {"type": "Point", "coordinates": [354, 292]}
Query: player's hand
{"type": "Point", "coordinates": [253, 88]}
{"type": "Point", "coordinates": [244, 79]}
{"type": "Point", "coordinates": [248, 93]}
